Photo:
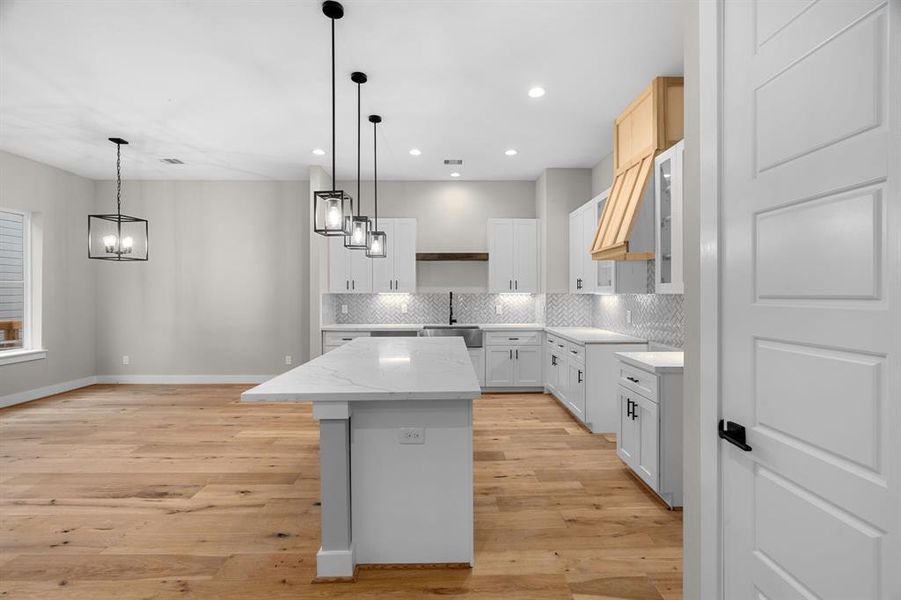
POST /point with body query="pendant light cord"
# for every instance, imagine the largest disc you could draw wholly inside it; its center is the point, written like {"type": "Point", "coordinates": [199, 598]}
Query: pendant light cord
{"type": "Point", "coordinates": [359, 199]}
{"type": "Point", "coordinates": [375, 173]}
{"type": "Point", "coordinates": [119, 181]}
{"type": "Point", "coordinates": [334, 176]}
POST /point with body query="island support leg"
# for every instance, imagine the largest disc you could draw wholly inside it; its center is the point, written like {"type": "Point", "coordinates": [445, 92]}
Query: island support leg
{"type": "Point", "coordinates": [335, 559]}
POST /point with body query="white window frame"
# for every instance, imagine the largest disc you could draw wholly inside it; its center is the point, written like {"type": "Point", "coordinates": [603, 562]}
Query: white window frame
{"type": "Point", "coordinates": [31, 334]}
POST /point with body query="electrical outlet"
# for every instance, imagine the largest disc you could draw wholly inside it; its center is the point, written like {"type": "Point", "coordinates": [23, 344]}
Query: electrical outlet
{"type": "Point", "coordinates": [411, 435]}
{"type": "Point", "coordinates": [403, 308]}
{"type": "Point", "coordinates": [288, 359]}
{"type": "Point", "coordinates": [125, 359]}
{"type": "Point", "coordinates": [498, 309]}
{"type": "Point", "coordinates": [343, 309]}
{"type": "Point", "coordinates": [629, 317]}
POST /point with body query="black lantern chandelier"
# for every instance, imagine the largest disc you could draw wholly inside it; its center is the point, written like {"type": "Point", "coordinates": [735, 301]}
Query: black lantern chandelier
{"type": "Point", "coordinates": [332, 209]}
{"type": "Point", "coordinates": [376, 241]}
{"type": "Point", "coordinates": [117, 236]}
{"type": "Point", "coordinates": [360, 225]}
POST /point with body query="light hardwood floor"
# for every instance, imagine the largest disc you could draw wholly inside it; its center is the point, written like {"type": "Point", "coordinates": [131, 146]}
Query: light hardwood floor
{"type": "Point", "coordinates": [180, 491]}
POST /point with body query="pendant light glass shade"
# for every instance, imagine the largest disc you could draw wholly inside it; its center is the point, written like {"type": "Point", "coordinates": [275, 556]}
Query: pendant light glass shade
{"type": "Point", "coordinates": [376, 241]}
{"type": "Point", "coordinates": [332, 209]}
{"type": "Point", "coordinates": [360, 225]}
{"type": "Point", "coordinates": [116, 236]}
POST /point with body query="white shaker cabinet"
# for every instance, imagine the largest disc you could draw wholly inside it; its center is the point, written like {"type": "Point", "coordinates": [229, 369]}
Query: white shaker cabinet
{"type": "Point", "coordinates": [397, 271]}
{"type": "Point", "coordinates": [513, 359]}
{"type": "Point", "coordinates": [668, 229]}
{"type": "Point", "coordinates": [512, 255]}
{"type": "Point", "coordinates": [649, 436]}
{"type": "Point", "coordinates": [350, 271]}
{"type": "Point", "coordinates": [588, 276]}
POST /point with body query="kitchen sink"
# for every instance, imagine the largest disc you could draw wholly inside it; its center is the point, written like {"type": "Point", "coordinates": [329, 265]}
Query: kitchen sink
{"type": "Point", "coordinates": [471, 335]}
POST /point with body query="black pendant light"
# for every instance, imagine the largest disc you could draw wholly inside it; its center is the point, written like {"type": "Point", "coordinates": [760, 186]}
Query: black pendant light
{"type": "Point", "coordinates": [376, 241]}
{"type": "Point", "coordinates": [360, 225]}
{"type": "Point", "coordinates": [117, 236]}
{"type": "Point", "coordinates": [332, 209]}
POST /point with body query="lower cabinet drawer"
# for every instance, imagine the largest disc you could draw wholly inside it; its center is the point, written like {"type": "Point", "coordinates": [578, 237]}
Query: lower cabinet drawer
{"type": "Point", "coordinates": [336, 338]}
{"type": "Point", "coordinates": [513, 338]}
{"type": "Point", "coordinates": [638, 381]}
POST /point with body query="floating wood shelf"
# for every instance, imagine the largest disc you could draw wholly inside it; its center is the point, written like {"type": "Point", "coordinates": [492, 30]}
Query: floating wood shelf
{"type": "Point", "coordinates": [452, 256]}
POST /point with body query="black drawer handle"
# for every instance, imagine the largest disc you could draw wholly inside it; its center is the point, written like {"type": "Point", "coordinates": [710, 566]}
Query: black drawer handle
{"type": "Point", "coordinates": [512, 339]}
{"type": "Point", "coordinates": [629, 408]}
{"type": "Point", "coordinates": [632, 379]}
{"type": "Point", "coordinates": [734, 434]}
{"type": "Point", "coordinates": [346, 339]}
{"type": "Point", "coordinates": [574, 351]}
{"type": "Point", "coordinates": [579, 377]}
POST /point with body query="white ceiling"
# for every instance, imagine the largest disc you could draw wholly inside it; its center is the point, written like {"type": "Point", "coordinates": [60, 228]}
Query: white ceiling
{"type": "Point", "coordinates": [240, 89]}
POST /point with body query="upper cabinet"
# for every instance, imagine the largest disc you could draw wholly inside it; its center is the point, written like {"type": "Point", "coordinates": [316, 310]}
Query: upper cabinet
{"type": "Point", "coordinates": [351, 272]}
{"type": "Point", "coordinates": [668, 229]}
{"type": "Point", "coordinates": [397, 271]}
{"type": "Point", "coordinates": [587, 276]}
{"type": "Point", "coordinates": [513, 255]}
{"type": "Point", "coordinates": [651, 124]}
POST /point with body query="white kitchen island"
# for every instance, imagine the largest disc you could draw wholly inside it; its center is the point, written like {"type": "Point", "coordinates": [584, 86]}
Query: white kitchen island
{"type": "Point", "coordinates": [395, 450]}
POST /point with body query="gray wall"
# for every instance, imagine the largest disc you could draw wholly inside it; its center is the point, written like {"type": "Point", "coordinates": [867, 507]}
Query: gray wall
{"type": "Point", "coordinates": [558, 193]}
{"type": "Point", "coordinates": [223, 290]}
{"type": "Point", "coordinates": [602, 175]}
{"type": "Point", "coordinates": [63, 201]}
{"type": "Point", "coordinates": [451, 216]}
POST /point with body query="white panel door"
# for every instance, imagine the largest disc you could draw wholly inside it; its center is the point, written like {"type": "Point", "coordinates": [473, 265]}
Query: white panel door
{"type": "Point", "coordinates": [360, 271]}
{"type": "Point", "coordinates": [647, 459]}
{"type": "Point", "coordinates": [500, 255]}
{"type": "Point", "coordinates": [576, 388]}
{"type": "Point", "coordinates": [627, 432]}
{"type": "Point", "coordinates": [525, 255]}
{"type": "Point", "coordinates": [383, 268]}
{"type": "Point", "coordinates": [527, 361]}
{"type": "Point", "coordinates": [810, 285]}
{"type": "Point", "coordinates": [589, 266]}
{"type": "Point", "coordinates": [404, 255]}
{"type": "Point", "coordinates": [499, 371]}
{"type": "Point", "coordinates": [338, 266]}
{"type": "Point", "coordinates": [576, 263]}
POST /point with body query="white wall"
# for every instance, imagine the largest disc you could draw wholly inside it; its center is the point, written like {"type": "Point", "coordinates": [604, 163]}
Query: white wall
{"type": "Point", "coordinates": [64, 201]}
{"type": "Point", "coordinates": [451, 216]}
{"type": "Point", "coordinates": [559, 192]}
{"type": "Point", "coordinates": [223, 291]}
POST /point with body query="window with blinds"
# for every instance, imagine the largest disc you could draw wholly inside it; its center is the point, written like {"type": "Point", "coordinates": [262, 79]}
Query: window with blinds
{"type": "Point", "coordinates": [12, 279]}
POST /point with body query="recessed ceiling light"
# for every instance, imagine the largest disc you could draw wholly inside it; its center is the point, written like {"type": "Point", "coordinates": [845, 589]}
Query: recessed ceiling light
{"type": "Point", "coordinates": [536, 92]}
{"type": "Point", "coordinates": [511, 152]}
{"type": "Point", "coordinates": [455, 174]}
{"type": "Point", "coordinates": [415, 152]}
{"type": "Point", "coordinates": [319, 152]}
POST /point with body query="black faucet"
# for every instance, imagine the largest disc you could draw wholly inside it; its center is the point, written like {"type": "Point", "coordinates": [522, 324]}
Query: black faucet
{"type": "Point", "coordinates": [451, 320]}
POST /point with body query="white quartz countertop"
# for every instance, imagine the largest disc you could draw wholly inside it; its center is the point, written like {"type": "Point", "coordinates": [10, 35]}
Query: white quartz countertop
{"type": "Point", "coordinates": [418, 326]}
{"type": "Point", "coordinates": [368, 369]}
{"type": "Point", "coordinates": [592, 335]}
{"type": "Point", "coordinates": [657, 362]}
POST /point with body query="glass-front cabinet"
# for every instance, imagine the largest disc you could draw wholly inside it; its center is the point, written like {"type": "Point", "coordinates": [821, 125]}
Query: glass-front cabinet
{"type": "Point", "coordinates": [668, 201]}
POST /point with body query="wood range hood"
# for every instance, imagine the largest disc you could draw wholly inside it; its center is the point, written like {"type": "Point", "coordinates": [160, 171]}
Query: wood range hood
{"type": "Point", "coordinates": [650, 124]}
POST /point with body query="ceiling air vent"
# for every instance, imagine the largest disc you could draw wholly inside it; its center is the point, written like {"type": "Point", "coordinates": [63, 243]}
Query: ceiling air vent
{"type": "Point", "coordinates": [172, 161]}
{"type": "Point", "coordinates": [453, 161]}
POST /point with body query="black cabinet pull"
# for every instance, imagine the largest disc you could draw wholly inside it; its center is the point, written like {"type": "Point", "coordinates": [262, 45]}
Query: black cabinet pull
{"type": "Point", "coordinates": [511, 284]}
{"type": "Point", "coordinates": [574, 351]}
{"type": "Point", "coordinates": [628, 408]}
{"type": "Point", "coordinates": [579, 377]}
{"type": "Point", "coordinates": [512, 339]}
{"type": "Point", "coordinates": [396, 284]}
{"type": "Point", "coordinates": [346, 284]}
{"type": "Point", "coordinates": [632, 379]}
{"type": "Point", "coordinates": [517, 354]}
{"type": "Point", "coordinates": [516, 284]}
{"type": "Point", "coordinates": [553, 360]}
{"type": "Point", "coordinates": [734, 434]}
{"type": "Point", "coordinates": [390, 285]}
{"type": "Point", "coordinates": [511, 354]}
{"type": "Point", "coordinates": [353, 284]}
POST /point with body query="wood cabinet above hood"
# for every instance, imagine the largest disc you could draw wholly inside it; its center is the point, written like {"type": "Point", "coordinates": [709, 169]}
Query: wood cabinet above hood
{"type": "Point", "coordinates": [648, 126]}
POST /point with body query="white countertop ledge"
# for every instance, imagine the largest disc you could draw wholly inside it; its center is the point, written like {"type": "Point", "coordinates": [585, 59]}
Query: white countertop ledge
{"type": "Point", "coordinates": [372, 369]}
{"type": "Point", "coordinates": [592, 335]}
{"type": "Point", "coordinates": [656, 362]}
{"type": "Point", "coordinates": [418, 326]}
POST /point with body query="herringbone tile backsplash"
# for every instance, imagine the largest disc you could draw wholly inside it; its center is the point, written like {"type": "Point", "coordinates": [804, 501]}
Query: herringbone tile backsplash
{"type": "Point", "coordinates": [655, 317]}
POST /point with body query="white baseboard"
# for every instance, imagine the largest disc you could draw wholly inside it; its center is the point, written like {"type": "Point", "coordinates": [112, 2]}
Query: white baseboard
{"type": "Point", "coordinates": [43, 392]}
{"type": "Point", "coordinates": [335, 563]}
{"type": "Point", "coordinates": [59, 388]}
{"type": "Point", "coordinates": [182, 379]}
